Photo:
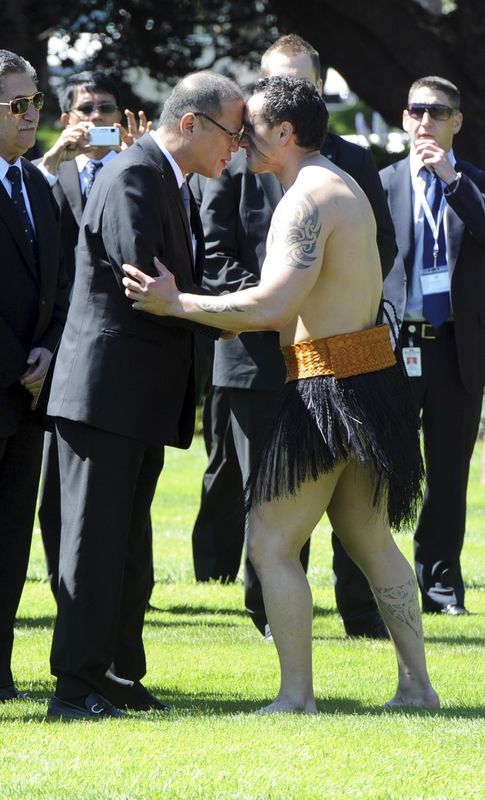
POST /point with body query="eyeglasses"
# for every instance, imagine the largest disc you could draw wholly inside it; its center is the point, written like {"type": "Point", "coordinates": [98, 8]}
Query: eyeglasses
{"type": "Point", "coordinates": [436, 111]}
{"type": "Point", "coordinates": [235, 137]}
{"type": "Point", "coordinates": [104, 108]}
{"type": "Point", "coordinates": [20, 105]}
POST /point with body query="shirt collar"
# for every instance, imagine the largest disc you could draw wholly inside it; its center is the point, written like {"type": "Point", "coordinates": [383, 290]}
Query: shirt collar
{"type": "Point", "coordinates": [83, 159]}
{"type": "Point", "coordinates": [178, 172]}
{"type": "Point", "coordinates": [5, 166]}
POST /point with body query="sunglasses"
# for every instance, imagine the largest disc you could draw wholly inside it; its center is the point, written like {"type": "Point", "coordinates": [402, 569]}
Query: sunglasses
{"type": "Point", "coordinates": [439, 112]}
{"type": "Point", "coordinates": [20, 105]}
{"type": "Point", "coordinates": [235, 137]}
{"type": "Point", "coordinates": [104, 108]}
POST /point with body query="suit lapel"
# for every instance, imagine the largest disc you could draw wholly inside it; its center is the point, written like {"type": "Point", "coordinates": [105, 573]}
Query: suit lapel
{"type": "Point", "coordinates": [13, 223]}
{"type": "Point", "coordinates": [401, 205]}
{"type": "Point", "coordinates": [41, 233]}
{"type": "Point", "coordinates": [71, 186]}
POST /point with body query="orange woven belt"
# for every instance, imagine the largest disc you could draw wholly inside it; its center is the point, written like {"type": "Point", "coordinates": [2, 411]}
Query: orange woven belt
{"type": "Point", "coordinates": [342, 356]}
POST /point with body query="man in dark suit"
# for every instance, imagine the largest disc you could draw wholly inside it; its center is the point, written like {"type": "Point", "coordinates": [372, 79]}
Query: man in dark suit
{"type": "Point", "coordinates": [249, 371]}
{"type": "Point", "coordinates": [122, 389]}
{"type": "Point", "coordinates": [33, 307]}
{"type": "Point", "coordinates": [87, 100]}
{"type": "Point", "coordinates": [437, 284]}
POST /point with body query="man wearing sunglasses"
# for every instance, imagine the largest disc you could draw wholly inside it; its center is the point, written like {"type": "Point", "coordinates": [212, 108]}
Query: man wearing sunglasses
{"type": "Point", "coordinates": [33, 307]}
{"type": "Point", "coordinates": [87, 100]}
{"type": "Point", "coordinates": [437, 284]}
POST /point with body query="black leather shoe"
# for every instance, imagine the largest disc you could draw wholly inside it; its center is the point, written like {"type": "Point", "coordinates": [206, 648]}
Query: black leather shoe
{"type": "Point", "coordinates": [148, 703]}
{"type": "Point", "coordinates": [96, 707]}
{"type": "Point", "coordinates": [377, 632]}
{"type": "Point", "coordinates": [456, 611]}
{"type": "Point", "coordinates": [11, 693]}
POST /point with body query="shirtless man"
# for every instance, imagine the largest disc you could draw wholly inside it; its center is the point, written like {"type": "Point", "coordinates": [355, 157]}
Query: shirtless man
{"type": "Point", "coordinates": [340, 443]}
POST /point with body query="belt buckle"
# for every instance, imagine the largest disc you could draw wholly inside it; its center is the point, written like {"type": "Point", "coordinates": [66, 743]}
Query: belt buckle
{"type": "Point", "coordinates": [424, 335]}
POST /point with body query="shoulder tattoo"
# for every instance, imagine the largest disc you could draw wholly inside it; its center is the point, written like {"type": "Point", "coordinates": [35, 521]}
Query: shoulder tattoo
{"type": "Point", "coordinates": [298, 232]}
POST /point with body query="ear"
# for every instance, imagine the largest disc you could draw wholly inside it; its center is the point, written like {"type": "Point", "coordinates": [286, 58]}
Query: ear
{"type": "Point", "coordinates": [405, 121]}
{"type": "Point", "coordinates": [65, 120]}
{"type": "Point", "coordinates": [187, 125]}
{"type": "Point", "coordinates": [286, 132]}
{"type": "Point", "coordinates": [457, 122]}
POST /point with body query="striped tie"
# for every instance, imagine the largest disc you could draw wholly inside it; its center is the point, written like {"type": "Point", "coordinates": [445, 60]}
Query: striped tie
{"type": "Point", "coordinates": [15, 178]}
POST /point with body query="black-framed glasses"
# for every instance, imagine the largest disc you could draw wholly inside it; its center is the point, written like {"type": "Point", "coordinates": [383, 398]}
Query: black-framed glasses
{"type": "Point", "coordinates": [104, 108]}
{"type": "Point", "coordinates": [235, 137]}
{"type": "Point", "coordinates": [20, 105]}
{"type": "Point", "coordinates": [435, 111]}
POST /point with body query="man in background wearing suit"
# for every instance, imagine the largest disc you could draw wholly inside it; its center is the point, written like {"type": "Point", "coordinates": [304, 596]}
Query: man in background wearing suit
{"type": "Point", "coordinates": [71, 166]}
{"type": "Point", "coordinates": [437, 284]}
{"type": "Point", "coordinates": [33, 307]}
{"type": "Point", "coordinates": [249, 371]}
{"type": "Point", "coordinates": [122, 389]}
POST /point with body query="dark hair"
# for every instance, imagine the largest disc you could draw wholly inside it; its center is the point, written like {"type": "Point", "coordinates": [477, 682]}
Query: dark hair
{"type": "Point", "coordinates": [296, 101]}
{"type": "Point", "coordinates": [204, 91]}
{"type": "Point", "coordinates": [11, 63]}
{"type": "Point", "coordinates": [291, 45]}
{"type": "Point", "coordinates": [441, 84]}
{"type": "Point", "coordinates": [92, 81]}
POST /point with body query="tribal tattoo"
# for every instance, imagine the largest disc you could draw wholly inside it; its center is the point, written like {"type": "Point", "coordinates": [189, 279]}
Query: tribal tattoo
{"type": "Point", "coordinates": [299, 233]}
{"type": "Point", "coordinates": [211, 308]}
{"type": "Point", "coordinates": [402, 602]}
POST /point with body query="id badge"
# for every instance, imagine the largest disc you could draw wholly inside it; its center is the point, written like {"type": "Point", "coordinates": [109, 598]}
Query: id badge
{"type": "Point", "coordinates": [436, 281]}
{"type": "Point", "coordinates": [412, 361]}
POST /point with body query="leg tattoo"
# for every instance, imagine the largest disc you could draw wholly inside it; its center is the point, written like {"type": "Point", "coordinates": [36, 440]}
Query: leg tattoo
{"type": "Point", "coordinates": [402, 602]}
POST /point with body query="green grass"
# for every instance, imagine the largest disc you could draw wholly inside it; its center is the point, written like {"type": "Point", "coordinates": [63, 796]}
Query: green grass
{"type": "Point", "coordinates": [206, 658]}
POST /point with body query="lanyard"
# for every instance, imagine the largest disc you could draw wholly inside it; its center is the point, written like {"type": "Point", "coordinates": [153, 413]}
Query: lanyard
{"type": "Point", "coordinates": [433, 224]}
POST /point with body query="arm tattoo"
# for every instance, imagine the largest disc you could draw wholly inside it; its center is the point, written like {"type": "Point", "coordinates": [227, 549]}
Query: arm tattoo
{"type": "Point", "coordinates": [402, 602]}
{"type": "Point", "coordinates": [299, 232]}
{"type": "Point", "coordinates": [211, 308]}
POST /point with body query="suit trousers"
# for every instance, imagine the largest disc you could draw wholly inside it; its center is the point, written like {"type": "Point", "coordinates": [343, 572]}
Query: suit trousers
{"type": "Point", "coordinates": [450, 421]}
{"type": "Point", "coordinates": [107, 485]}
{"type": "Point", "coordinates": [20, 460]}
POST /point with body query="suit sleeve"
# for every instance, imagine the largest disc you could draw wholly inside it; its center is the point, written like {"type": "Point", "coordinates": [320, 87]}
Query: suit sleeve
{"type": "Point", "coordinates": [468, 203]}
{"type": "Point", "coordinates": [371, 184]}
{"type": "Point", "coordinates": [220, 214]}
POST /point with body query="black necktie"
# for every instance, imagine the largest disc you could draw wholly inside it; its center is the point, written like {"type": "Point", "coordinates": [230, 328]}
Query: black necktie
{"type": "Point", "coordinates": [15, 178]}
{"type": "Point", "coordinates": [184, 191]}
{"type": "Point", "coordinates": [436, 307]}
{"type": "Point", "coordinates": [91, 168]}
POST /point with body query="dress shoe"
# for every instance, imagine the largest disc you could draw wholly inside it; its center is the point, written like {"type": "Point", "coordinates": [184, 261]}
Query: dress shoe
{"type": "Point", "coordinates": [379, 631]}
{"type": "Point", "coordinates": [148, 703]}
{"type": "Point", "coordinates": [96, 707]}
{"type": "Point", "coordinates": [11, 693]}
{"type": "Point", "coordinates": [456, 611]}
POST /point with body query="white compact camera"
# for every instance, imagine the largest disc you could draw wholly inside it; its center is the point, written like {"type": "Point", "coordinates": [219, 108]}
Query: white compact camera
{"type": "Point", "coordinates": [104, 136]}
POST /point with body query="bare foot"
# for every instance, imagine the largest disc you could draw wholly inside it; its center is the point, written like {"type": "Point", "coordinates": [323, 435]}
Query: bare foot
{"type": "Point", "coordinates": [284, 707]}
{"type": "Point", "coordinates": [426, 699]}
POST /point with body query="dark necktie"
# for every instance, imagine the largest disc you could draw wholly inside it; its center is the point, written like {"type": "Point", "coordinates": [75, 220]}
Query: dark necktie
{"type": "Point", "coordinates": [91, 168]}
{"type": "Point", "coordinates": [184, 191]}
{"type": "Point", "coordinates": [436, 307]}
{"type": "Point", "coordinates": [15, 178]}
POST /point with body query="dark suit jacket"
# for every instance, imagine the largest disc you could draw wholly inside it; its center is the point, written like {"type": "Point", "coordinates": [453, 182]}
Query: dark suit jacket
{"type": "Point", "coordinates": [465, 235]}
{"type": "Point", "coordinates": [118, 369]}
{"type": "Point", "coordinates": [33, 302]}
{"type": "Point", "coordinates": [236, 212]}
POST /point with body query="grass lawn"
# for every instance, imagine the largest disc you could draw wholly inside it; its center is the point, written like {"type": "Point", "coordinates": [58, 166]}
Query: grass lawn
{"type": "Point", "coordinates": [206, 658]}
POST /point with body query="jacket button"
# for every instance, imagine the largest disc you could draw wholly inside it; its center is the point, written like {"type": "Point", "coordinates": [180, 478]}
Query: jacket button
{"type": "Point", "coordinates": [42, 301]}
{"type": "Point", "coordinates": [188, 362]}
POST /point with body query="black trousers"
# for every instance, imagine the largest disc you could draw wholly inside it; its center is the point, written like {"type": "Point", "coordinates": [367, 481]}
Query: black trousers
{"type": "Point", "coordinates": [107, 486]}
{"type": "Point", "coordinates": [20, 460]}
{"type": "Point", "coordinates": [450, 420]}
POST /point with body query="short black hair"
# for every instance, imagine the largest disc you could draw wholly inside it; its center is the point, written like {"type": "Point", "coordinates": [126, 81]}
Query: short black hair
{"type": "Point", "coordinates": [296, 101]}
{"type": "Point", "coordinates": [204, 91]}
{"type": "Point", "coordinates": [441, 85]}
{"type": "Point", "coordinates": [92, 81]}
{"type": "Point", "coordinates": [11, 63]}
{"type": "Point", "coordinates": [291, 45]}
